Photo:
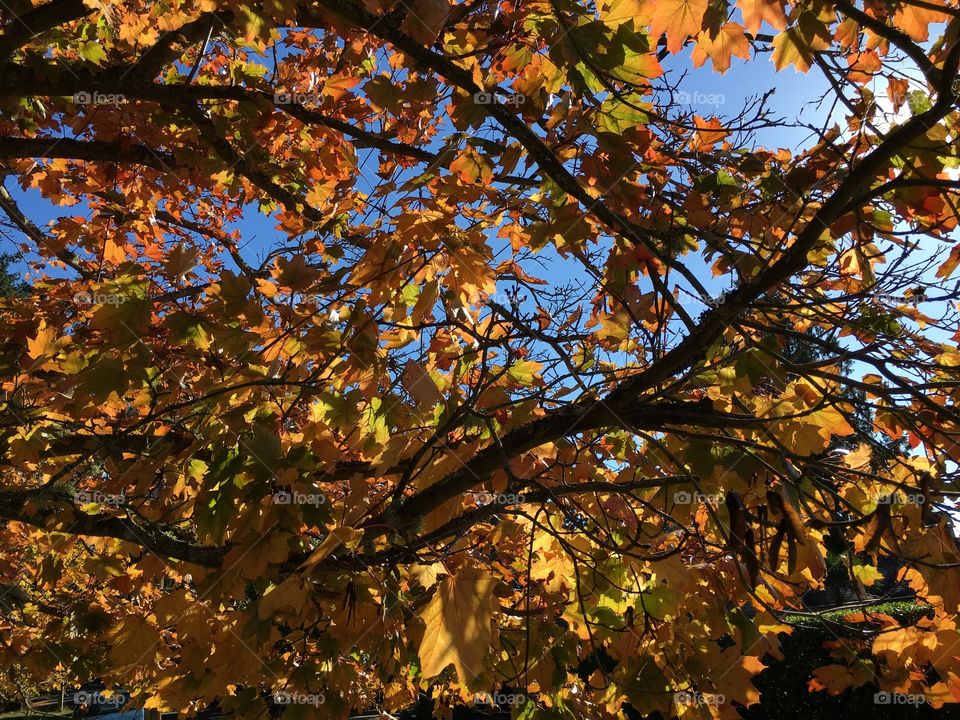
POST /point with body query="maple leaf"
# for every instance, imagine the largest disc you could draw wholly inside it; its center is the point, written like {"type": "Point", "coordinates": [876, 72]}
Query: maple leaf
{"type": "Point", "coordinates": [867, 574]}
{"type": "Point", "coordinates": [458, 622]}
{"type": "Point", "coordinates": [446, 370]}
{"type": "Point", "coordinates": [756, 12]}
{"type": "Point", "coordinates": [344, 536]}
{"type": "Point", "coordinates": [254, 557]}
{"type": "Point", "coordinates": [426, 19]}
{"type": "Point", "coordinates": [135, 641]}
{"type": "Point", "coordinates": [471, 166]}
{"type": "Point", "coordinates": [678, 19]}
{"type": "Point", "coordinates": [720, 47]}
{"type": "Point", "coordinates": [43, 345]}
{"type": "Point", "coordinates": [797, 44]}
{"type": "Point", "coordinates": [915, 21]}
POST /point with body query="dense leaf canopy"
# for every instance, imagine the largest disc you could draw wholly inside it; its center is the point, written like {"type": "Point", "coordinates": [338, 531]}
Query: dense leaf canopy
{"type": "Point", "coordinates": [379, 348]}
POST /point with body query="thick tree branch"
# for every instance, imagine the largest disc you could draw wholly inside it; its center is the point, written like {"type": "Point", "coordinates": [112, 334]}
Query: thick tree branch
{"type": "Point", "coordinates": [57, 513]}
{"type": "Point", "coordinates": [23, 28]}
{"type": "Point", "coordinates": [91, 150]}
{"type": "Point", "coordinates": [691, 350]}
{"type": "Point", "coordinates": [546, 160]}
{"type": "Point", "coordinates": [895, 36]}
{"type": "Point", "coordinates": [60, 79]}
{"type": "Point", "coordinates": [40, 238]}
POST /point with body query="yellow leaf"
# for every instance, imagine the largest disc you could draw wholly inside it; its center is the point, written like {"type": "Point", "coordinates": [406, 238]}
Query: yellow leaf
{"type": "Point", "coordinates": [343, 535]}
{"type": "Point", "coordinates": [678, 19]}
{"type": "Point", "coordinates": [796, 45]}
{"type": "Point", "coordinates": [458, 620]}
{"type": "Point", "coordinates": [135, 642]}
{"type": "Point", "coordinates": [287, 597]}
{"type": "Point", "coordinates": [902, 641]}
{"type": "Point", "coordinates": [268, 288]}
{"type": "Point", "coordinates": [859, 458]}
{"type": "Point", "coordinates": [44, 345]}
{"type": "Point", "coordinates": [867, 574]}
{"type": "Point", "coordinates": [620, 11]}
{"type": "Point", "coordinates": [524, 371]}
{"type": "Point", "coordinates": [255, 557]}
{"type": "Point", "coordinates": [418, 383]}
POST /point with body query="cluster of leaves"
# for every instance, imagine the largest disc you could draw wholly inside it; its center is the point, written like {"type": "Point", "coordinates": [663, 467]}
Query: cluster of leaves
{"type": "Point", "coordinates": [466, 423]}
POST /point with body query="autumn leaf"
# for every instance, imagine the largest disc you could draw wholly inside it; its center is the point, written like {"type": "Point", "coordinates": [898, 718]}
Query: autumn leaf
{"type": "Point", "coordinates": [135, 642]}
{"type": "Point", "coordinates": [756, 12]}
{"type": "Point", "coordinates": [255, 556]}
{"type": "Point", "coordinates": [426, 19]}
{"type": "Point", "coordinates": [915, 21]}
{"type": "Point", "coordinates": [471, 167]}
{"type": "Point", "coordinates": [417, 381]}
{"type": "Point", "coordinates": [43, 345]}
{"type": "Point", "coordinates": [720, 46]}
{"type": "Point", "coordinates": [867, 574]}
{"type": "Point", "coordinates": [385, 351]}
{"type": "Point", "coordinates": [797, 44]}
{"type": "Point", "coordinates": [341, 537]}
{"type": "Point", "coordinates": [458, 622]}
{"type": "Point", "coordinates": [678, 19]}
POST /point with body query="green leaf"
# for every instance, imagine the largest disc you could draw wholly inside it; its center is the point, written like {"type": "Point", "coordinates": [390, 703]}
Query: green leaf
{"type": "Point", "coordinates": [92, 51]}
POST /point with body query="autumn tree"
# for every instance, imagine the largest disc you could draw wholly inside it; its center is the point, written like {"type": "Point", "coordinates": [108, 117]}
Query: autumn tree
{"type": "Point", "coordinates": [378, 349]}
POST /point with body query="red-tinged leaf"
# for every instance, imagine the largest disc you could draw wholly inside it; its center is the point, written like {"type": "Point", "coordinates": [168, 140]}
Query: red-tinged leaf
{"type": "Point", "coordinates": [472, 167]}
{"type": "Point", "coordinates": [950, 264]}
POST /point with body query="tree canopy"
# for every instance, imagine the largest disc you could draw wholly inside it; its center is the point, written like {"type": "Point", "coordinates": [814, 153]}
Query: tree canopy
{"type": "Point", "coordinates": [382, 348]}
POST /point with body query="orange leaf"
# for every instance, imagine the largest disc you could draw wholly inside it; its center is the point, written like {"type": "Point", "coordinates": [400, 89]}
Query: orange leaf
{"type": "Point", "coordinates": [729, 41]}
{"type": "Point", "coordinates": [915, 21]}
{"type": "Point", "coordinates": [471, 166]}
{"type": "Point", "coordinates": [678, 19]}
{"type": "Point", "coordinates": [756, 12]}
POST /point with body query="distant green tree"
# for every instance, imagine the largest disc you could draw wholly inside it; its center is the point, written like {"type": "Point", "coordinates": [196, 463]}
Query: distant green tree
{"type": "Point", "coordinates": [10, 284]}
